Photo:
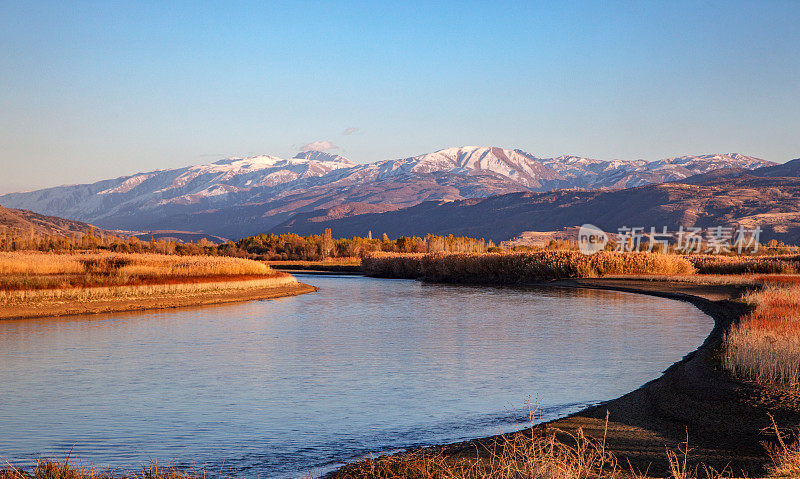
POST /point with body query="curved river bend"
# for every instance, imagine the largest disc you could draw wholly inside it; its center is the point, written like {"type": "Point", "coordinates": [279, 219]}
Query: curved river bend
{"type": "Point", "coordinates": [296, 385]}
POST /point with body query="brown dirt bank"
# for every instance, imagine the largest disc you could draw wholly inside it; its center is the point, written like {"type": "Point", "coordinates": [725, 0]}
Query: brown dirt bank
{"type": "Point", "coordinates": [723, 418]}
{"type": "Point", "coordinates": [151, 302]}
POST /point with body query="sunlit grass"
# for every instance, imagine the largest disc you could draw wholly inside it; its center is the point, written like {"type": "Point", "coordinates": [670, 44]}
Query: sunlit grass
{"type": "Point", "coordinates": [35, 277]}
{"type": "Point", "coordinates": [50, 469]}
{"type": "Point", "coordinates": [131, 264]}
{"type": "Point", "coordinates": [765, 344]}
{"type": "Point", "coordinates": [511, 456]}
{"type": "Point", "coordinates": [521, 267]}
{"type": "Point", "coordinates": [746, 264]}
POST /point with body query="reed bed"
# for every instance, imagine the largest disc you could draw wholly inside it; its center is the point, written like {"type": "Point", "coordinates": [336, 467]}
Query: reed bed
{"type": "Point", "coordinates": [27, 277]}
{"type": "Point", "coordinates": [100, 293]}
{"type": "Point", "coordinates": [765, 344]}
{"type": "Point", "coordinates": [127, 264]}
{"type": "Point", "coordinates": [34, 271]}
{"type": "Point", "coordinates": [50, 469]}
{"type": "Point", "coordinates": [393, 265]}
{"type": "Point", "coordinates": [505, 268]}
{"type": "Point", "coordinates": [721, 264]}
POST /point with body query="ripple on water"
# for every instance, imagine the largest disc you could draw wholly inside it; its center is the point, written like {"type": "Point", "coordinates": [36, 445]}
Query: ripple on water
{"type": "Point", "coordinates": [276, 388]}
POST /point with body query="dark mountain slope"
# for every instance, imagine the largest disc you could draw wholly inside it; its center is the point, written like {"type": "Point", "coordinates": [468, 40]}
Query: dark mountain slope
{"type": "Point", "coordinates": [772, 203]}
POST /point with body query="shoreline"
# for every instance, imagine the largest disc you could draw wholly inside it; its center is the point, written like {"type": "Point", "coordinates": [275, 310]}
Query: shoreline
{"type": "Point", "coordinates": [722, 417]}
{"type": "Point", "coordinates": [154, 302]}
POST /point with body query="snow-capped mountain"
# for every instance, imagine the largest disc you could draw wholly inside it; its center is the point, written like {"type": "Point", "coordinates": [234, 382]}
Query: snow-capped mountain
{"type": "Point", "coordinates": [239, 196]}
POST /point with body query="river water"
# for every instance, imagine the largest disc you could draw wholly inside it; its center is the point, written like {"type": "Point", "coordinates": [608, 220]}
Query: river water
{"type": "Point", "coordinates": [299, 385]}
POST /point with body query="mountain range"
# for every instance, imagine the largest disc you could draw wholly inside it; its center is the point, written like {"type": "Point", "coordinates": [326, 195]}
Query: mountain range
{"type": "Point", "coordinates": [236, 197]}
{"type": "Point", "coordinates": [767, 197]}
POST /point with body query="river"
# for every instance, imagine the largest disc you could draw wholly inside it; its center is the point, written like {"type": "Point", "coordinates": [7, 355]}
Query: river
{"type": "Point", "coordinates": [299, 385]}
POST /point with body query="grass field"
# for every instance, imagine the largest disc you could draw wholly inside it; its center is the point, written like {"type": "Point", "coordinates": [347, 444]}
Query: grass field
{"type": "Point", "coordinates": [505, 268]}
{"type": "Point", "coordinates": [765, 344]}
{"type": "Point", "coordinates": [41, 277]}
{"type": "Point", "coordinates": [745, 264]}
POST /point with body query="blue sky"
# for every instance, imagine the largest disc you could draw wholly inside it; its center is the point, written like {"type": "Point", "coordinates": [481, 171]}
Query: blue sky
{"type": "Point", "coordinates": [93, 90]}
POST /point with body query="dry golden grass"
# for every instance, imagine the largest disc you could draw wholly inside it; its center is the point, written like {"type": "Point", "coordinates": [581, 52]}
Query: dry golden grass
{"type": "Point", "coordinates": [140, 264]}
{"type": "Point", "coordinates": [100, 293]}
{"type": "Point", "coordinates": [765, 344]}
{"type": "Point", "coordinates": [49, 469]}
{"type": "Point", "coordinates": [741, 264]}
{"type": "Point", "coordinates": [501, 268]}
{"type": "Point", "coordinates": [755, 281]}
{"type": "Point", "coordinates": [36, 277]}
{"type": "Point", "coordinates": [535, 454]}
{"type": "Point", "coordinates": [784, 454]}
{"type": "Point", "coordinates": [393, 265]}
{"type": "Point", "coordinates": [510, 456]}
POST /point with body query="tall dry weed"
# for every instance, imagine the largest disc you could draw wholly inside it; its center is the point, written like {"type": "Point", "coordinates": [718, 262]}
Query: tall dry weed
{"type": "Point", "coordinates": [505, 268]}
{"type": "Point", "coordinates": [765, 344]}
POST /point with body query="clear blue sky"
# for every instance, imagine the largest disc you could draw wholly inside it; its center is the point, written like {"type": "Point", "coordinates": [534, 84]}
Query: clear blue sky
{"type": "Point", "coordinates": [93, 90]}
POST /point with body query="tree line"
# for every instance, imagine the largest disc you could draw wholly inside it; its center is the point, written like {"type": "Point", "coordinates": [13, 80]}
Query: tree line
{"type": "Point", "coordinates": [287, 246]}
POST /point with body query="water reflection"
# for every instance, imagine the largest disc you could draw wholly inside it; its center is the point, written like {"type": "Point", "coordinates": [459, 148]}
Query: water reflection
{"type": "Point", "coordinates": [273, 388]}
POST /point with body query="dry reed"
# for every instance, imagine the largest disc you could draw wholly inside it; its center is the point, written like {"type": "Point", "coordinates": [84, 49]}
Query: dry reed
{"type": "Point", "coordinates": [38, 277]}
{"type": "Point", "coordinates": [765, 344]}
{"type": "Point", "coordinates": [127, 264]}
{"type": "Point", "coordinates": [50, 469]}
{"type": "Point", "coordinates": [535, 454]}
{"type": "Point", "coordinates": [512, 456]}
{"type": "Point", "coordinates": [99, 293]}
{"type": "Point", "coordinates": [504, 268]}
{"type": "Point", "coordinates": [784, 454]}
{"type": "Point", "coordinates": [722, 264]}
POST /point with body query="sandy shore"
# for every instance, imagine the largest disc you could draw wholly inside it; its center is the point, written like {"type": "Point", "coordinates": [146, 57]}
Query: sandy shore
{"type": "Point", "coordinates": [723, 418]}
{"type": "Point", "coordinates": [151, 302]}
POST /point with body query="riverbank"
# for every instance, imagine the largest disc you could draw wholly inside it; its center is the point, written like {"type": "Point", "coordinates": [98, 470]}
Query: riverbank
{"type": "Point", "coordinates": [233, 292]}
{"type": "Point", "coordinates": [37, 284]}
{"type": "Point", "coordinates": [334, 266]}
{"type": "Point", "coordinates": [723, 418]}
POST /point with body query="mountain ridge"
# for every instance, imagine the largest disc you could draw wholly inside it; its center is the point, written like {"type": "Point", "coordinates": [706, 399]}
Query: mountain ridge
{"type": "Point", "coordinates": [238, 196]}
{"type": "Point", "coordinates": [772, 203]}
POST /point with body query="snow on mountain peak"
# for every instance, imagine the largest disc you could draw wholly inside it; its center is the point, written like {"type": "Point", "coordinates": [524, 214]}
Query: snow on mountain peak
{"type": "Point", "coordinates": [323, 156]}
{"type": "Point", "coordinates": [325, 178]}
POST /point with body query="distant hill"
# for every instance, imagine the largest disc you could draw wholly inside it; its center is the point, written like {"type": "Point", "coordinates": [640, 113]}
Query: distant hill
{"type": "Point", "coordinates": [770, 202]}
{"type": "Point", "coordinates": [236, 197]}
{"type": "Point", "coordinates": [790, 168]}
{"type": "Point", "coordinates": [24, 221]}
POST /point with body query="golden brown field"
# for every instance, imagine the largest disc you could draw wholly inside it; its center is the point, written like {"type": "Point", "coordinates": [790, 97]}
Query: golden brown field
{"type": "Point", "coordinates": [765, 344]}
{"type": "Point", "coordinates": [505, 268]}
{"type": "Point", "coordinates": [745, 264]}
{"type": "Point", "coordinates": [31, 277]}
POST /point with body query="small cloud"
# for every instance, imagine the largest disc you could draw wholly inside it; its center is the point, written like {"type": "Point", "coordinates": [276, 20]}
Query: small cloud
{"type": "Point", "coordinates": [350, 131]}
{"type": "Point", "coordinates": [319, 146]}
